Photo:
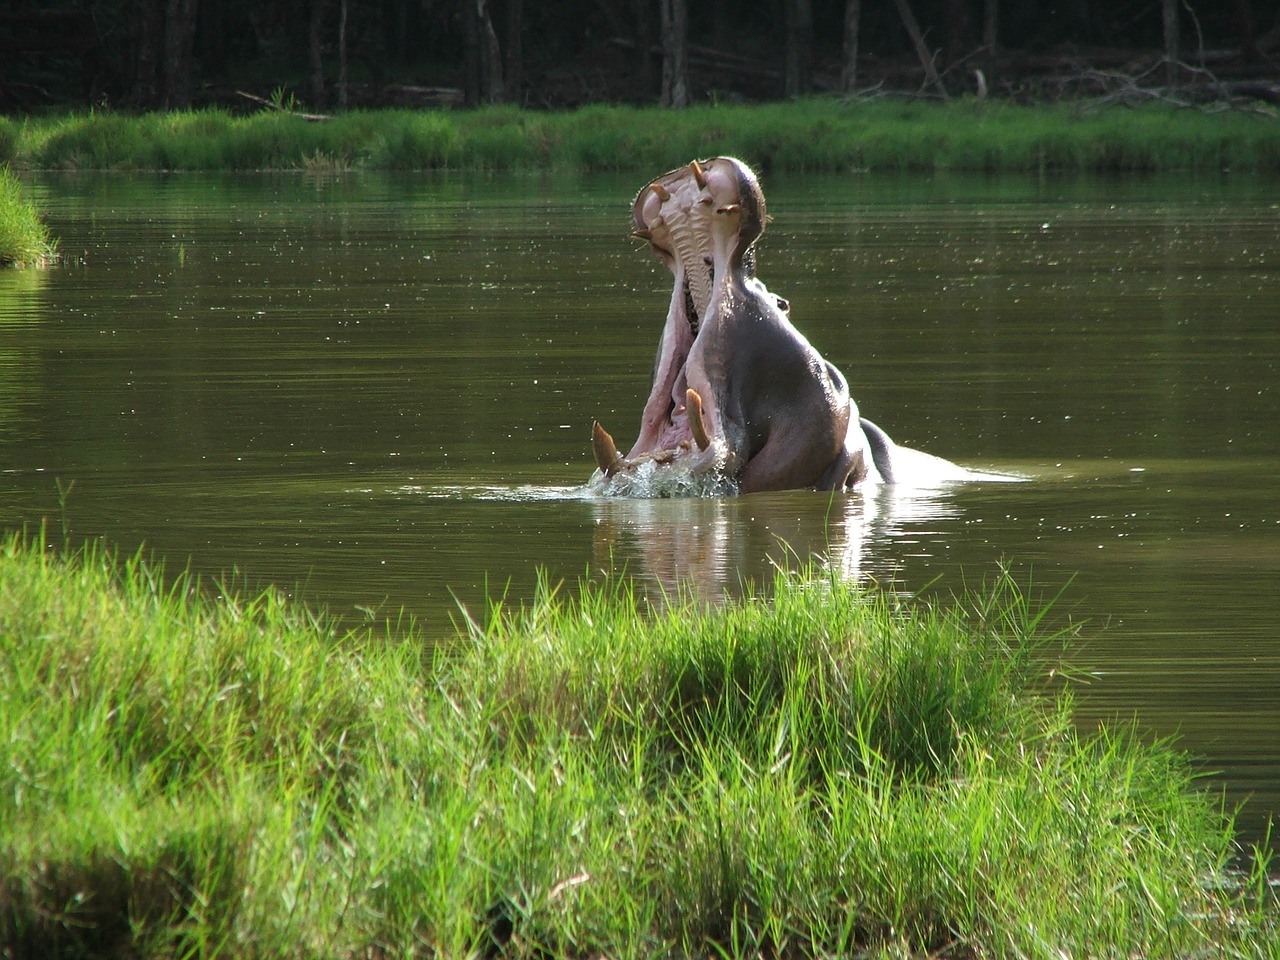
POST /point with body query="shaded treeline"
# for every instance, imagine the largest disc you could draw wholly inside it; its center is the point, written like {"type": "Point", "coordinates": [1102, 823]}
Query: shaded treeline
{"type": "Point", "coordinates": [174, 53]}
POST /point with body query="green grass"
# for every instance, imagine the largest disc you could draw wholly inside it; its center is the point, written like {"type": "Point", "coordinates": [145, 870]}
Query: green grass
{"type": "Point", "coordinates": [187, 771]}
{"type": "Point", "coordinates": [24, 238]}
{"type": "Point", "coordinates": [815, 135]}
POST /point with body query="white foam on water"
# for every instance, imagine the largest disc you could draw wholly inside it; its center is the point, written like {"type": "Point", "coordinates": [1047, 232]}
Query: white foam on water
{"type": "Point", "coordinates": [522, 493]}
{"type": "Point", "coordinates": [652, 481]}
{"type": "Point", "coordinates": [646, 482]}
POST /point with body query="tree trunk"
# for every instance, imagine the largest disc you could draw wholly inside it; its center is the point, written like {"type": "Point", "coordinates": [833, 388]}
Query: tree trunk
{"type": "Point", "coordinates": [179, 45]}
{"type": "Point", "coordinates": [849, 69]}
{"type": "Point", "coordinates": [484, 57]}
{"type": "Point", "coordinates": [315, 51]}
{"type": "Point", "coordinates": [645, 39]}
{"type": "Point", "coordinates": [799, 24]}
{"type": "Point", "coordinates": [990, 39]}
{"type": "Point", "coordinates": [917, 39]}
{"type": "Point", "coordinates": [495, 92]}
{"type": "Point", "coordinates": [675, 53]}
{"type": "Point", "coordinates": [1169, 13]}
{"type": "Point", "coordinates": [146, 78]}
{"type": "Point", "coordinates": [513, 73]}
{"type": "Point", "coordinates": [342, 53]}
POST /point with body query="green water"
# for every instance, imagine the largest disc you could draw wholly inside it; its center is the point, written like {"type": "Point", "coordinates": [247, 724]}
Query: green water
{"type": "Point", "coordinates": [377, 392]}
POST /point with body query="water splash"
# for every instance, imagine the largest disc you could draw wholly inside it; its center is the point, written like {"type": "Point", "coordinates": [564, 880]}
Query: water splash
{"type": "Point", "coordinates": [651, 481]}
{"type": "Point", "coordinates": [666, 481]}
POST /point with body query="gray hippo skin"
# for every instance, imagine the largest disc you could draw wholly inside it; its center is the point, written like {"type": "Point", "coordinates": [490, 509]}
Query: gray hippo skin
{"type": "Point", "coordinates": [737, 389]}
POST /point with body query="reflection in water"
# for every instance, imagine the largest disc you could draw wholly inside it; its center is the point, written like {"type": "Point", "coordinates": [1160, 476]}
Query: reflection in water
{"type": "Point", "coordinates": [714, 548]}
{"type": "Point", "coordinates": [20, 311]}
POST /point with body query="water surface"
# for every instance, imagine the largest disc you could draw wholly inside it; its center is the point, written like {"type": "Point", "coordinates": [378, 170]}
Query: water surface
{"type": "Point", "coordinates": [377, 393]}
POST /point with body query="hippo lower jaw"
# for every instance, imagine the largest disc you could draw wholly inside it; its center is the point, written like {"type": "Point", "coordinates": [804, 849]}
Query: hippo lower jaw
{"type": "Point", "coordinates": [710, 454]}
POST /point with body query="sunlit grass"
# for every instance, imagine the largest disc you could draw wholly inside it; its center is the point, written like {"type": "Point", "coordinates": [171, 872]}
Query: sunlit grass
{"type": "Point", "coordinates": [187, 771]}
{"type": "Point", "coordinates": [24, 238]}
{"type": "Point", "coordinates": [814, 135]}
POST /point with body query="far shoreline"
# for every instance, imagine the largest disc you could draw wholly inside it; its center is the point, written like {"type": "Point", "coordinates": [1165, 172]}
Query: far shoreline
{"type": "Point", "coordinates": [813, 135]}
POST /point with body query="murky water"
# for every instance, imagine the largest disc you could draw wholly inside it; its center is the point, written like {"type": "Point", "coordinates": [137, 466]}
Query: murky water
{"type": "Point", "coordinates": [377, 392]}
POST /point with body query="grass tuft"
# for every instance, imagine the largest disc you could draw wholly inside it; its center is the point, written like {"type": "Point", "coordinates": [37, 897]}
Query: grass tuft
{"type": "Point", "coordinates": [185, 770]}
{"type": "Point", "coordinates": [24, 238]}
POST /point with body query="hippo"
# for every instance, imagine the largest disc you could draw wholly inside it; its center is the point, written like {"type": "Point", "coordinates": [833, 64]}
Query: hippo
{"type": "Point", "coordinates": [738, 392]}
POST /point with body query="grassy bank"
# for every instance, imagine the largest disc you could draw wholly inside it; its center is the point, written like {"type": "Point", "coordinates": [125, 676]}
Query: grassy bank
{"type": "Point", "coordinates": [24, 238]}
{"type": "Point", "coordinates": [812, 135]}
{"type": "Point", "coordinates": [823, 773]}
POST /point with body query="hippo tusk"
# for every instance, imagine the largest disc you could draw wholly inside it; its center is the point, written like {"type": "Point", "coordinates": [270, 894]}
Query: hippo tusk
{"type": "Point", "coordinates": [729, 208]}
{"type": "Point", "coordinates": [663, 193]}
{"type": "Point", "coordinates": [698, 174]}
{"type": "Point", "coordinates": [606, 451]}
{"type": "Point", "coordinates": [643, 234]}
{"type": "Point", "coordinates": [696, 426]}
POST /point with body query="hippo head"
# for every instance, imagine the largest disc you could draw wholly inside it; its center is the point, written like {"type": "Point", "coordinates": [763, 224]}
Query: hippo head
{"type": "Point", "coordinates": [738, 392]}
{"type": "Point", "coordinates": [699, 214]}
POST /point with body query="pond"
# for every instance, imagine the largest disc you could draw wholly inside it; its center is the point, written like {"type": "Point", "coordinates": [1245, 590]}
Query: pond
{"type": "Point", "coordinates": [377, 392]}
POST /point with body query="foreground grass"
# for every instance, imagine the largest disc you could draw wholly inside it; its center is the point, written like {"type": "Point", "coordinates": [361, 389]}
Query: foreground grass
{"type": "Point", "coordinates": [823, 773]}
{"type": "Point", "coordinates": [24, 238]}
{"type": "Point", "coordinates": [807, 136]}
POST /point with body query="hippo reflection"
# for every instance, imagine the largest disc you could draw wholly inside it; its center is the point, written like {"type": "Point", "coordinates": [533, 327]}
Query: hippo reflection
{"type": "Point", "coordinates": [738, 392]}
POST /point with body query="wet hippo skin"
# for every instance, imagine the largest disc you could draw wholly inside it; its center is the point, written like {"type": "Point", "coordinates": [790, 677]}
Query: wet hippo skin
{"type": "Point", "coordinates": [738, 391]}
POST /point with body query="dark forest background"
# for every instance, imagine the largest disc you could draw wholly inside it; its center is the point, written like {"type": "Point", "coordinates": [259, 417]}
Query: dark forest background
{"type": "Point", "coordinates": [150, 54]}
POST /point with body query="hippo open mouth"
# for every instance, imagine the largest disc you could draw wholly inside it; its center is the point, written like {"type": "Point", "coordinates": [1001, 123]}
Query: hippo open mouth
{"type": "Point", "coordinates": [677, 214]}
{"type": "Point", "coordinates": [738, 393]}
{"type": "Point", "coordinates": [737, 390]}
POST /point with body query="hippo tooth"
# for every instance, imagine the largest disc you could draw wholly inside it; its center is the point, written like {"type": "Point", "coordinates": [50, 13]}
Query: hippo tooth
{"type": "Point", "coordinates": [729, 208]}
{"type": "Point", "coordinates": [696, 426]}
{"type": "Point", "coordinates": [663, 193]}
{"type": "Point", "coordinates": [605, 450]}
{"type": "Point", "coordinates": [644, 234]}
{"type": "Point", "coordinates": [698, 175]}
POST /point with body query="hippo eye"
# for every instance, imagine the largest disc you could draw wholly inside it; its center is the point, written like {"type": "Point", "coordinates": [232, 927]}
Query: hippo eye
{"type": "Point", "coordinates": [783, 304]}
